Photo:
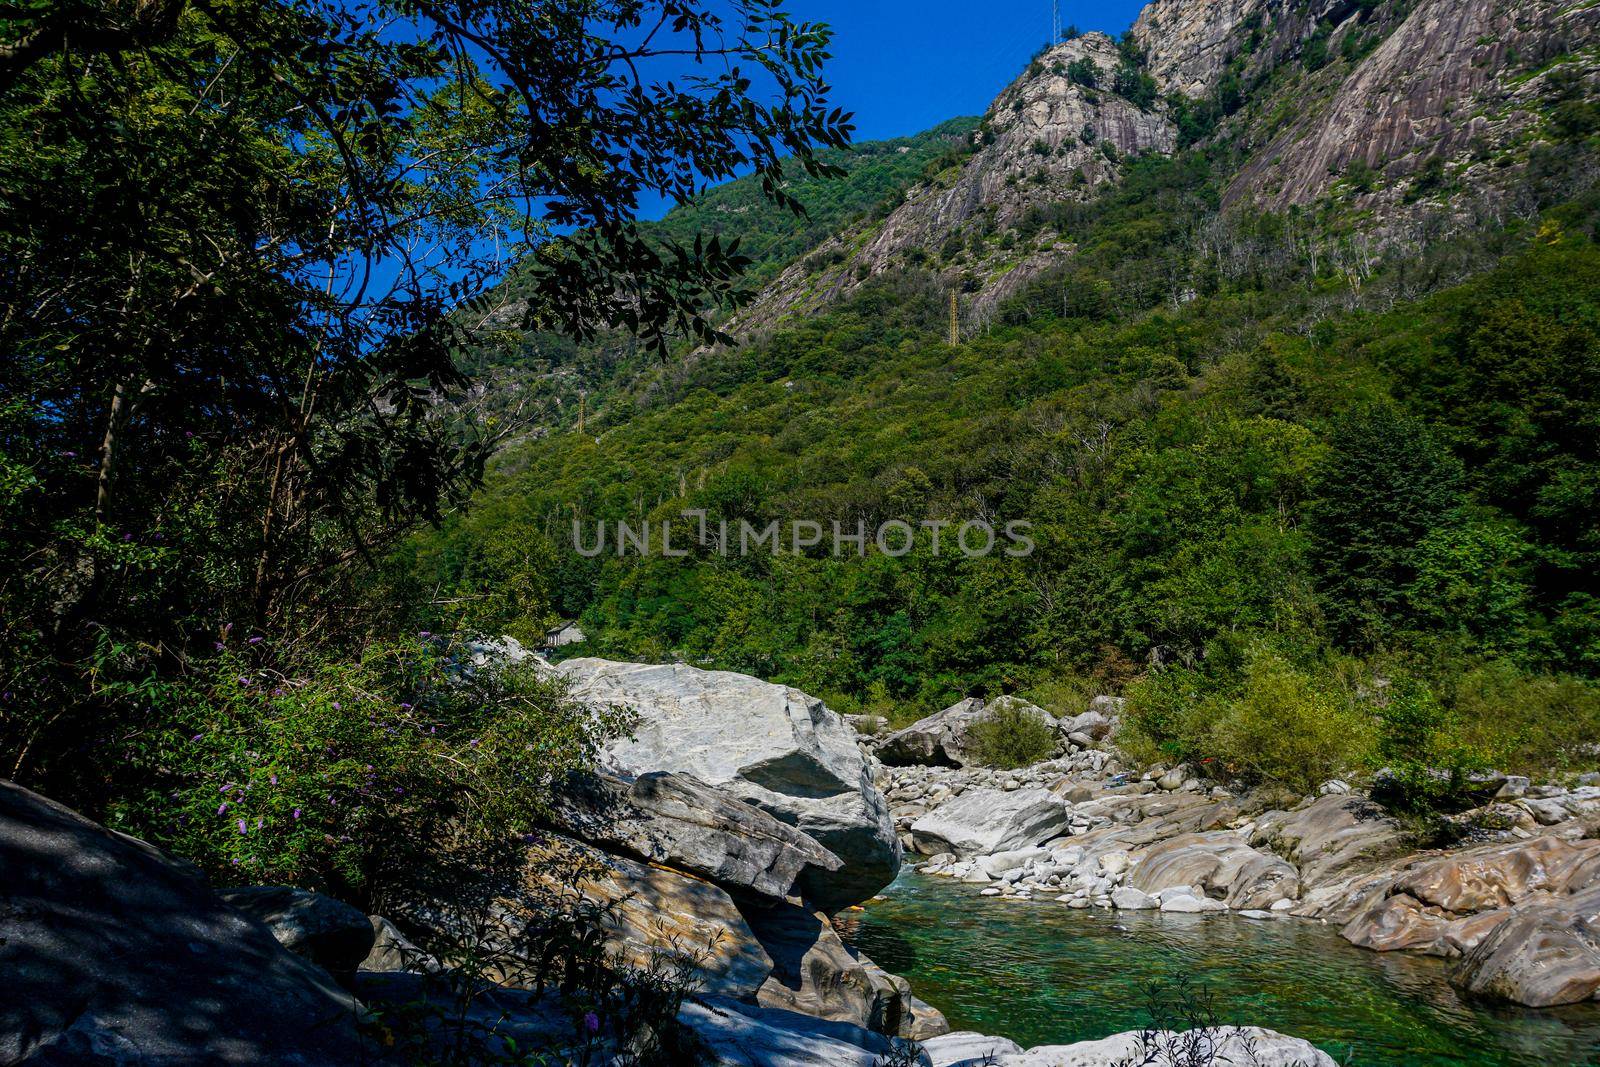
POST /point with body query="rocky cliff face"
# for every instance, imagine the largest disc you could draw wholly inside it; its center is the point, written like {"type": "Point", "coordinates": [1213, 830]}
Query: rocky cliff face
{"type": "Point", "coordinates": [1466, 82]}
{"type": "Point", "coordinates": [1047, 138]}
{"type": "Point", "coordinates": [1392, 112]}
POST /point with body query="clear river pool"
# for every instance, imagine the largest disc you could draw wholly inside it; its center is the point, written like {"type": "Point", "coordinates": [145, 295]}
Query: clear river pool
{"type": "Point", "coordinates": [1040, 973]}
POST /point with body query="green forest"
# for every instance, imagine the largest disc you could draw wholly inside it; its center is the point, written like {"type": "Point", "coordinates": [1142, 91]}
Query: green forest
{"type": "Point", "coordinates": [1289, 490]}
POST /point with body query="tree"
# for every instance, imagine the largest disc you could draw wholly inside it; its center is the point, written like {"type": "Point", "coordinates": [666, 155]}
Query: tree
{"type": "Point", "coordinates": [242, 243]}
{"type": "Point", "coordinates": [1385, 486]}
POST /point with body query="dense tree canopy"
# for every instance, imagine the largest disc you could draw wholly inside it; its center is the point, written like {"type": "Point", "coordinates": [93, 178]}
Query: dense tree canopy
{"type": "Point", "coordinates": [242, 243]}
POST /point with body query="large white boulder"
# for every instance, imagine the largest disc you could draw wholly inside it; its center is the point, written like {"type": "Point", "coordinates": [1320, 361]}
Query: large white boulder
{"type": "Point", "coordinates": [771, 745]}
{"type": "Point", "coordinates": [980, 822]}
{"type": "Point", "coordinates": [1221, 1047]}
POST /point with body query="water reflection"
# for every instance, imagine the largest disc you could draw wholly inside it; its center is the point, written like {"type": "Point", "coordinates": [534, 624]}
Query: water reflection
{"type": "Point", "coordinates": [1040, 973]}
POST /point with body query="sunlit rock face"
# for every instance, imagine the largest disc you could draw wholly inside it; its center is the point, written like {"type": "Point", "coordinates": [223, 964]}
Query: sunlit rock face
{"type": "Point", "coordinates": [771, 745]}
{"type": "Point", "coordinates": [1047, 139]}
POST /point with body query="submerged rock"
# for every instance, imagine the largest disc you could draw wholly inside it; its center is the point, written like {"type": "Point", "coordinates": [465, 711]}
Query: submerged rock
{"type": "Point", "coordinates": [768, 744]}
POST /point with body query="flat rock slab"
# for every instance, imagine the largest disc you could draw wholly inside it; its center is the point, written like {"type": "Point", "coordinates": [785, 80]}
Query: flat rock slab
{"type": "Point", "coordinates": [1331, 838]}
{"type": "Point", "coordinates": [768, 744]}
{"type": "Point", "coordinates": [680, 821]}
{"type": "Point", "coordinates": [113, 953]}
{"type": "Point", "coordinates": [1222, 864]}
{"type": "Point", "coordinates": [966, 1048]}
{"type": "Point", "coordinates": [741, 1035]}
{"type": "Point", "coordinates": [984, 821]}
{"type": "Point", "coordinates": [1222, 1047]}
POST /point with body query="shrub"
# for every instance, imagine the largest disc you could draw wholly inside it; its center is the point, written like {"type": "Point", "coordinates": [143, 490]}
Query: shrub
{"type": "Point", "coordinates": [1011, 735]}
{"type": "Point", "coordinates": [352, 777]}
{"type": "Point", "coordinates": [1288, 727]}
{"type": "Point", "coordinates": [1427, 755]}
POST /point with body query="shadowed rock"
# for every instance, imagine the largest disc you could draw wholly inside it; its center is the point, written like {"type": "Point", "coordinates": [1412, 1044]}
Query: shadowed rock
{"type": "Point", "coordinates": [113, 953]}
{"type": "Point", "coordinates": [328, 932]}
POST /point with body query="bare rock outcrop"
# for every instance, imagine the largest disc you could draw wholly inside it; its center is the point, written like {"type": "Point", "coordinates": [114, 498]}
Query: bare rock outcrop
{"type": "Point", "coordinates": [770, 745]}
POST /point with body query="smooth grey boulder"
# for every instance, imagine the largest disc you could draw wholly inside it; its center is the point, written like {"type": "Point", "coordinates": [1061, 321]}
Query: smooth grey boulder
{"type": "Point", "coordinates": [1542, 956]}
{"type": "Point", "coordinates": [1222, 865]}
{"type": "Point", "coordinates": [771, 745]}
{"type": "Point", "coordinates": [1220, 1047]}
{"type": "Point", "coordinates": [679, 821]}
{"type": "Point", "coordinates": [984, 821]}
{"type": "Point", "coordinates": [941, 739]}
{"type": "Point", "coordinates": [328, 932]}
{"type": "Point", "coordinates": [967, 1048]}
{"type": "Point", "coordinates": [112, 953]}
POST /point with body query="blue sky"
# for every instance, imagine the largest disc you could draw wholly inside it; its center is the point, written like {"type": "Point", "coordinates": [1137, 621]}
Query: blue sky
{"type": "Point", "coordinates": [903, 67]}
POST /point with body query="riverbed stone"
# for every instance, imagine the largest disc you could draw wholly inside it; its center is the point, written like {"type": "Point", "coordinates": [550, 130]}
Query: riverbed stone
{"type": "Point", "coordinates": [1541, 956]}
{"type": "Point", "coordinates": [1221, 1047]}
{"type": "Point", "coordinates": [985, 821]}
{"type": "Point", "coordinates": [771, 745]}
{"type": "Point", "coordinates": [1222, 865]}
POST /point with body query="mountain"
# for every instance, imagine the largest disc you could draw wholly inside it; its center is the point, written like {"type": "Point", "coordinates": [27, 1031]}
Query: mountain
{"type": "Point", "coordinates": [1280, 329]}
{"type": "Point", "coordinates": [1386, 115]}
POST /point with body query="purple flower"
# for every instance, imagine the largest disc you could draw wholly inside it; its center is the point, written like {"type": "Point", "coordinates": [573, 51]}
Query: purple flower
{"type": "Point", "coordinates": [335, 705]}
{"type": "Point", "coordinates": [196, 737]}
{"type": "Point", "coordinates": [70, 455]}
{"type": "Point", "coordinates": [403, 704]}
{"type": "Point", "coordinates": [218, 646]}
{"type": "Point", "coordinates": [425, 634]}
{"type": "Point", "coordinates": [297, 814]}
{"type": "Point", "coordinates": [254, 641]}
{"type": "Point", "coordinates": [244, 679]}
{"type": "Point", "coordinates": [273, 779]}
{"type": "Point", "coordinates": [591, 1022]}
{"type": "Point", "coordinates": [225, 788]}
{"type": "Point", "coordinates": [127, 537]}
{"type": "Point", "coordinates": [242, 829]}
{"type": "Point", "coordinates": [222, 807]}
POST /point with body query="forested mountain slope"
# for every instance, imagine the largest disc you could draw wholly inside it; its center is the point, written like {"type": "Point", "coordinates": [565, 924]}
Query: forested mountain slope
{"type": "Point", "coordinates": [1286, 451]}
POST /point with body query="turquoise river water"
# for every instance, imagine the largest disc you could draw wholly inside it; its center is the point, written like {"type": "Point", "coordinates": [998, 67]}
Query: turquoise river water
{"type": "Point", "coordinates": [1040, 973]}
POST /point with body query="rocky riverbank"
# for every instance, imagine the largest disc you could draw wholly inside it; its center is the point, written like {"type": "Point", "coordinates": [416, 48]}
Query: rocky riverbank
{"type": "Point", "coordinates": [1516, 911]}
{"type": "Point", "coordinates": [720, 836]}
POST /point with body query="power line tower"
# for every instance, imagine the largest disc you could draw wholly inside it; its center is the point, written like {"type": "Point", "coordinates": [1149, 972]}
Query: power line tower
{"type": "Point", "coordinates": [1055, 22]}
{"type": "Point", "coordinates": [955, 319]}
